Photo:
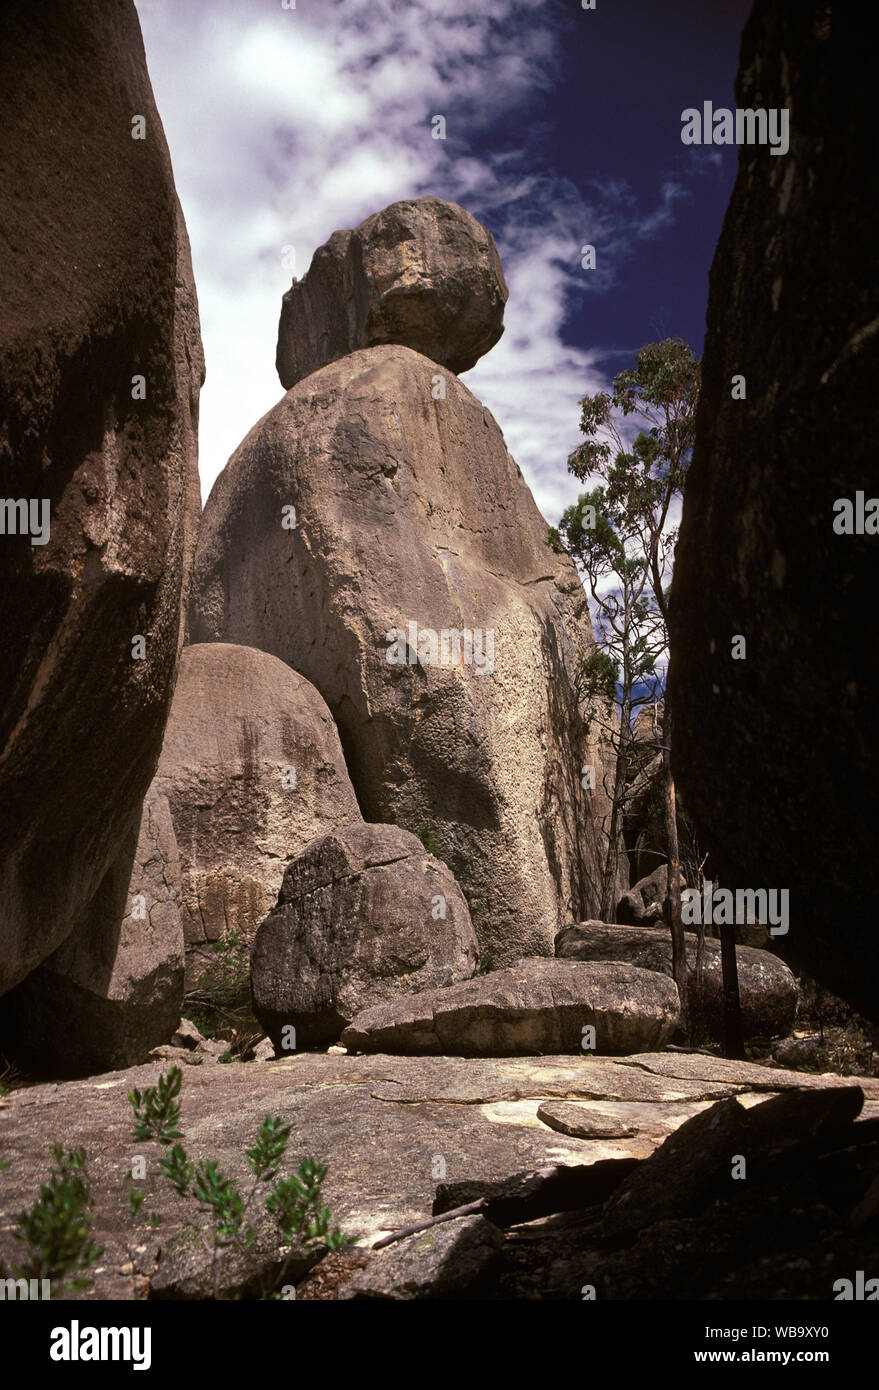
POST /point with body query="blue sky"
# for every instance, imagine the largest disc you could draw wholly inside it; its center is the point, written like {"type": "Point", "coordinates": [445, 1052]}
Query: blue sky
{"type": "Point", "coordinates": [562, 128]}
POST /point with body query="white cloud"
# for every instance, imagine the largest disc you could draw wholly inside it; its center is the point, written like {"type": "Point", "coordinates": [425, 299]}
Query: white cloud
{"type": "Point", "coordinates": [285, 125]}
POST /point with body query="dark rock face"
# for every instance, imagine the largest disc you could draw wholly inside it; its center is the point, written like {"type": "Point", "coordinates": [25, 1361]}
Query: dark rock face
{"type": "Point", "coordinates": [643, 905]}
{"type": "Point", "coordinates": [537, 1006]}
{"type": "Point", "coordinates": [801, 1216]}
{"type": "Point", "coordinates": [364, 914]}
{"type": "Point", "coordinates": [424, 274]}
{"type": "Point", "coordinates": [114, 989]}
{"type": "Point", "coordinates": [696, 1162]}
{"type": "Point", "coordinates": [413, 521]}
{"type": "Point", "coordinates": [767, 989]}
{"type": "Point", "coordinates": [253, 771]}
{"type": "Point", "coordinates": [776, 754]}
{"type": "Point", "coordinates": [96, 288]}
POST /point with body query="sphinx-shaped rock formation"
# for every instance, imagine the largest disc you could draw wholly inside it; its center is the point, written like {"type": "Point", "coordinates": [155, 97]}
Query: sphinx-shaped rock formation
{"type": "Point", "coordinates": [425, 274]}
{"type": "Point", "coordinates": [252, 769]}
{"type": "Point", "coordinates": [776, 755]}
{"type": "Point", "coordinates": [416, 591]}
{"type": "Point", "coordinates": [100, 369]}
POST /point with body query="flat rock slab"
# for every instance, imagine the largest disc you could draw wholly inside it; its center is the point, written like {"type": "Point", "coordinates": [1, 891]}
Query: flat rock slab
{"type": "Point", "coordinates": [479, 1080]}
{"type": "Point", "coordinates": [536, 1006]}
{"type": "Point", "coordinates": [699, 1067]}
{"type": "Point", "coordinates": [580, 1121]}
{"type": "Point", "coordinates": [389, 1128]}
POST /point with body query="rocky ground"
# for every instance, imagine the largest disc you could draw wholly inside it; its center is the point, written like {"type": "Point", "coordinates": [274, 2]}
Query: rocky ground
{"type": "Point", "coordinates": [404, 1136]}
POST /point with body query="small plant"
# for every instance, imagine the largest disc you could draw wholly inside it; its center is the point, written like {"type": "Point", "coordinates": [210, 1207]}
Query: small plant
{"type": "Point", "coordinates": [57, 1229]}
{"type": "Point", "coordinates": [295, 1202]}
{"type": "Point", "coordinates": [233, 958]}
{"type": "Point", "coordinates": [485, 964]}
{"type": "Point", "coordinates": [426, 836]}
{"type": "Point", "coordinates": [219, 1004]}
{"type": "Point", "coordinates": [157, 1110]}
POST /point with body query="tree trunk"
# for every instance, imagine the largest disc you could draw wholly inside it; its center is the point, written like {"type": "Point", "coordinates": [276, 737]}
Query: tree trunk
{"type": "Point", "coordinates": [607, 910]}
{"type": "Point", "coordinates": [733, 1037]}
{"type": "Point", "coordinates": [673, 901]}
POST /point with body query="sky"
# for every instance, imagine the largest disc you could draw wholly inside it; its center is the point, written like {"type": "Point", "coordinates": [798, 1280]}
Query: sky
{"type": "Point", "coordinates": [563, 129]}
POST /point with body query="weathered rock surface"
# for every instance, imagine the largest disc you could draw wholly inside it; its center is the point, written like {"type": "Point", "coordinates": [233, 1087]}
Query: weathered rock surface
{"type": "Point", "coordinates": [802, 1051]}
{"type": "Point", "coordinates": [771, 748]}
{"type": "Point", "coordinates": [424, 274]}
{"type": "Point", "coordinates": [644, 903]}
{"type": "Point", "coordinates": [97, 291]}
{"type": "Point", "coordinates": [580, 1120]}
{"type": "Point", "coordinates": [380, 1123]}
{"type": "Point", "coordinates": [253, 770]}
{"type": "Point", "coordinates": [364, 915]}
{"type": "Point", "coordinates": [537, 1006]}
{"type": "Point", "coordinates": [451, 1260]}
{"type": "Point", "coordinates": [409, 509]}
{"type": "Point", "coordinates": [114, 989]}
{"type": "Point", "coordinates": [767, 989]}
{"type": "Point", "coordinates": [186, 1035]}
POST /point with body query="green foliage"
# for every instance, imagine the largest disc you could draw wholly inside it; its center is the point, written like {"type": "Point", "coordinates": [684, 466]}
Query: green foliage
{"type": "Point", "coordinates": [157, 1111]}
{"type": "Point", "coordinates": [57, 1228]}
{"type": "Point", "coordinates": [617, 533]}
{"type": "Point", "coordinates": [135, 1197]}
{"type": "Point", "coordinates": [295, 1202]}
{"type": "Point", "coordinates": [427, 838]}
{"type": "Point", "coordinates": [485, 964]}
{"type": "Point", "coordinates": [265, 1156]}
{"type": "Point", "coordinates": [134, 1200]}
{"type": "Point", "coordinates": [233, 959]}
{"type": "Point", "coordinates": [220, 1197]}
{"type": "Point", "coordinates": [600, 674]}
{"type": "Point", "coordinates": [219, 1005]}
{"type": "Point", "coordinates": [297, 1207]}
{"type": "Point", "coordinates": [662, 389]}
{"type": "Point", "coordinates": [177, 1169]}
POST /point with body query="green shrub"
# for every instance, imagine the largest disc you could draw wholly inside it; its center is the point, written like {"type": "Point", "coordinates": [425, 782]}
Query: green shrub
{"type": "Point", "coordinates": [57, 1229]}
{"type": "Point", "coordinates": [219, 1005]}
{"type": "Point", "coordinates": [426, 836]}
{"type": "Point", "coordinates": [295, 1202]}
